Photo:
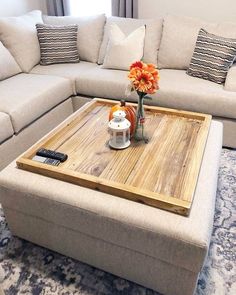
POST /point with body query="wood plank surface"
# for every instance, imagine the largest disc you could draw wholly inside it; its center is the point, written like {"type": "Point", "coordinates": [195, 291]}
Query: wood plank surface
{"type": "Point", "coordinates": [162, 173]}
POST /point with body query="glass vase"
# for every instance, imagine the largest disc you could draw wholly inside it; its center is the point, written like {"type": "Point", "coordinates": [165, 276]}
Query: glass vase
{"type": "Point", "coordinates": [139, 134]}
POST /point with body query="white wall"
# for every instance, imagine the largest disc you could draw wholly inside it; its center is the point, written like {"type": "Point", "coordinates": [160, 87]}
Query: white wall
{"type": "Point", "coordinates": [211, 10]}
{"type": "Point", "coordinates": [18, 7]}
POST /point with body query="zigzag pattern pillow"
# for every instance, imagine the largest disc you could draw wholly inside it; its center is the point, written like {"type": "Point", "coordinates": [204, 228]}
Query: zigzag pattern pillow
{"type": "Point", "coordinates": [212, 57]}
{"type": "Point", "coordinates": [58, 44]}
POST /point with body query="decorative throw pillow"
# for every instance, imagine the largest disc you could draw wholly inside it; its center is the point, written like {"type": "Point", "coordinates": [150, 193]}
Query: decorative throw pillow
{"type": "Point", "coordinates": [212, 57]}
{"type": "Point", "coordinates": [152, 41]}
{"type": "Point", "coordinates": [58, 44]}
{"type": "Point", "coordinates": [123, 50]}
{"type": "Point", "coordinates": [90, 33]}
{"type": "Point", "coordinates": [8, 66]}
{"type": "Point", "coordinates": [18, 34]}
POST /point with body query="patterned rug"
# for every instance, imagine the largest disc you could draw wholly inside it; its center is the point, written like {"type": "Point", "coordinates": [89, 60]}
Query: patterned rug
{"type": "Point", "coordinates": [30, 269]}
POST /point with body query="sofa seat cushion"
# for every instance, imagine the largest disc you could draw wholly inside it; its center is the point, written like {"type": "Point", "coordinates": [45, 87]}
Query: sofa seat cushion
{"type": "Point", "coordinates": [6, 129]}
{"type": "Point", "coordinates": [89, 79]}
{"type": "Point", "coordinates": [26, 97]}
{"type": "Point", "coordinates": [175, 239]}
{"type": "Point", "coordinates": [177, 90]}
{"type": "Point", "coordinates": [104, 83]}
{"type": "Point", "coordinates": [71, 71]}
{"type": "Point", "coordinates": [181, 91]}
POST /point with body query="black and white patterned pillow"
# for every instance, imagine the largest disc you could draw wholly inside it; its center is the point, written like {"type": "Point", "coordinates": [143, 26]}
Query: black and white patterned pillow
{"type": "Point", "coordinates": [212, 57]}
{"type": "Point", "coordinates": [58, 44]}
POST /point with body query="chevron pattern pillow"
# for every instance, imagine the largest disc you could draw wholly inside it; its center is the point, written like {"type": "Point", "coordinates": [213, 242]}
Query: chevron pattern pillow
{"type": "Point", "coordinates": [58, 44]}
{"type": "Point", "coordinates": [212, 57]}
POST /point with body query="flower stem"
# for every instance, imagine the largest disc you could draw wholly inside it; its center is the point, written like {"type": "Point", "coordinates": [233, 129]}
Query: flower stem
{"type": "Point", "coordinates": [140, 119]}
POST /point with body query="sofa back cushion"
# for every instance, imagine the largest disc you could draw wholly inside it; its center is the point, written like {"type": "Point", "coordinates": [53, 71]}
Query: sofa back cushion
{"type": "Point", "coordinates": [226, 29]}
{"type": "Point", "coordinates": [8, 66]}
{"type": "Point", "coordinates": [58, 44]}
{"type": "Point", "coordinates": [230, 82]}
{"type": "Point", "coordinates": [90, 32]}
{"type": "Point", "coordinates": [19, 35]}
{"type": "Point", "coordinates": [128, 25]}
{"type": "Point", "coordinates": [179, 39]}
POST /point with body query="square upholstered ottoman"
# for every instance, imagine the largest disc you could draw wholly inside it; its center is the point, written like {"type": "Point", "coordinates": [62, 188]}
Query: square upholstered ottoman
{"type": "Point", "coordinates": [155, 248]}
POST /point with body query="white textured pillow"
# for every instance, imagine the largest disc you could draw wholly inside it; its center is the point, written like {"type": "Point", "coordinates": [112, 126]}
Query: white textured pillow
{"type": "Point", "coordinates": [128, 25]}
{"type": "Point", "coordinates": [90, 33]}
{"type": "Point", "coordinates": [123, 50]}
{"type": "Point", "coordinates": [8, 66]}
{"type": "Point", "coordinates": [19, 36]}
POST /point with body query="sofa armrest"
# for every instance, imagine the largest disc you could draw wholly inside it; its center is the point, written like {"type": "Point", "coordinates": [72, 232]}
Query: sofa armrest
{"type": "Point", "coordinates": [230, 82]}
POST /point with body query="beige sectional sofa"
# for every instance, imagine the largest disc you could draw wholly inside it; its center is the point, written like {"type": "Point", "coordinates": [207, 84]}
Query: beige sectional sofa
{"type": "Point", "coordinates": [35, 98]}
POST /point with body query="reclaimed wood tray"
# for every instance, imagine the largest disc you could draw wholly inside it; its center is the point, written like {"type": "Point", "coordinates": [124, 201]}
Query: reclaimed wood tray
{"type": "Point", "coordinates": [162, 173]}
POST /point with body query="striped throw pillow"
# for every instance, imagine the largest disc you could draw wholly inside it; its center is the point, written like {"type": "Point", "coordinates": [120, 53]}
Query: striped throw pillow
{"type": "Point", "coordinates": [58, 44]}
{"type": "Point", "coordinates": [212, 57]}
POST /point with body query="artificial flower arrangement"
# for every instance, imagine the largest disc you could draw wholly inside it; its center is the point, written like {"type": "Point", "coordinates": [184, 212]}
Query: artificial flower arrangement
{"type": "Point", "coordinates": [144, 80]}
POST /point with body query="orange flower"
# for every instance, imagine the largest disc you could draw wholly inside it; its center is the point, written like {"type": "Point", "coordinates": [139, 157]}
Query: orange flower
{"type": "Point", "coordinates": [154, 88]}
{"type": "Point", "coordinates": [151, 69]}
{"type": "Point", "coordinates": [144, 77]}
{"type": "Point", "coordinates": [137, 64]}
{"type": "Point", "coordinates": [143, 81]}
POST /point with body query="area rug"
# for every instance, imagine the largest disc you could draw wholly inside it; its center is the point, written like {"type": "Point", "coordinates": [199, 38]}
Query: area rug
{"type": "Point", "coordinates": [30, 269]}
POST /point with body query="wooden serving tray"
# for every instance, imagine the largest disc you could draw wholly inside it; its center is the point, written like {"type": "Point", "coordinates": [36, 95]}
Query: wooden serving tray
{"type": "Point", "coordinates": [162, 173]}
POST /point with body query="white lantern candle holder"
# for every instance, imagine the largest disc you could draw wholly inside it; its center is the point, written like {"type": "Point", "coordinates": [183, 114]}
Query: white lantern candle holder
{"type": "Point", "coordinates": [119, 129]}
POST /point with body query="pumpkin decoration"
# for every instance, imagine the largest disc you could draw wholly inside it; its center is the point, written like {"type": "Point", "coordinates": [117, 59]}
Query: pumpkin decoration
{"type": "Point", "coordinates": [129, 111]}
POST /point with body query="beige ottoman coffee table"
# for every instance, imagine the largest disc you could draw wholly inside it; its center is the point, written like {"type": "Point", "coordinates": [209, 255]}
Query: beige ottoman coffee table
{"type": "Point", "coordinates": [158, 249]}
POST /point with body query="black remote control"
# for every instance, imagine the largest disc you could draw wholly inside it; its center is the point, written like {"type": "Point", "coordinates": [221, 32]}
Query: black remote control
{"type": "Point", "coordinates": [52, 154]}
{"type": "Point", "coordinates": [48, 161]}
